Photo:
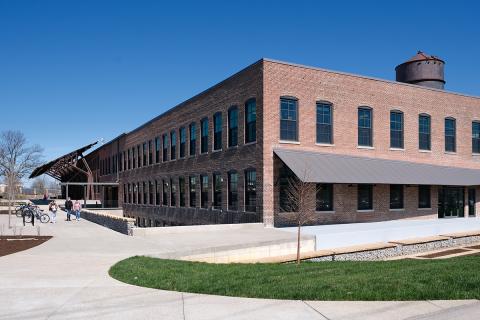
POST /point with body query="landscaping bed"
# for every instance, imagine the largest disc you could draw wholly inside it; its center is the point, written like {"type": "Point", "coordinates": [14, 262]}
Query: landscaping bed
{"type": "Point", "coordinates": [408, 279]}
{"type": "Point", "coordinates": [12, 244]}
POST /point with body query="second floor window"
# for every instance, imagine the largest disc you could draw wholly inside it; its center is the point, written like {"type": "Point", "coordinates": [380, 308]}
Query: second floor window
{"type": "Point", "coordinates": [183, 141]}
{"type": "Point", "coordinates": [288, 119]}
{"type": "Point", "coordinates": [165, 148]}
{"type": "Point", "coordinates": [217, 131]}
{"type": "Point", "coordinates": [204, 137]}
{"type": "Point", "coordinates": [365, 136]}
{"type": "Point", "coordinates": [450, 135]}
{"type": "Point", "coordinates": [128, 160]}
{"type": "Point", "coordinates": [396, 129]}
{"type": "Point", "coordinates": [150, 152]}
{"type": "Point", "coordinates": [173, 145]}
{"type": "Point", "coordinates": [324, 123]}
{"type": "Point", "coordinates": [250, 121]}
{"type": "Point", "coordinates": [139, 163]}
{"type": "Point", "coordinates": [475, 137]}
{"type": "Point", "coordinates": [424, 129]}
{"type": "Point", "coordinates": [144, 155]}
{"type": "Point", "coordinates": [193, 139]}
{"type": "Point", "coordinates": [233, 127]}
{"type": "Point", "coordinates": [157, 150]}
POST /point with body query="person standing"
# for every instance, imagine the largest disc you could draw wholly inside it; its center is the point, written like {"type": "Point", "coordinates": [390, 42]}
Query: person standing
{"type": "Point", "coordinates": [77, 207]}
{"type": "Point", "coordinates": [53, 207]}
{"type": "Point", "coordinates": [68, 208]}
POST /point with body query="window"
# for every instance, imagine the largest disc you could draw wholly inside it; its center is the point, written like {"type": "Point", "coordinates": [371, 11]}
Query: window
{"type": "Point", "coordinates": [475, 137]}
{"type": "Point", "coordinates": [150, 194]}
{"type": "Point", "coordinates": [133, 158]}
{"type": "Point", "coordinates": [157, 149]}
{"type": "Point", "coordinates": [128, 159]}
{"type": "Point", "coordinates": [130, 193]}
{"type": "Point", "coordinates": [192, 184]}
{"type": "Point", "coordinates": [232, 191]}
{"type": "Point", "coordinates": [217, 191]}
{"type": "Point", "coordinates": [165, 148]}
{"type": "Point", "coordinates": [365, 136]}
{"type": "Point", "coordinates": [251, 190]}
{"type": "Point", "coordinates": [396, 129]}
{"type": "Point", "coordinates": [288, 119]}
{"type": "Point", "coordinates": [137, 193]}
{"type": "Point", "coordinates": [157, 193]}
{"type": "Point", "coordinates": [233, 127]}
{"type": "Point", "coordinates": [204, 137]}
{"type": "Point", "coordinates": [424, 130]}
{"type": "Point", "coordinates": [173, 145]}
{"type": "Point", "coordinates": [183, 141]}
{"type": "Point", "coordinates": [396, 196]}
{"type": "Point", "coordinates": [150, 152]}
{"type": "Point", "coordinates": [193, 139]}
{"type": "Point", "coordinates": [217, 131]}
{"type": "Point", "coordinates": [324, 123]}
{"type": "Point", "coordinates": [324, 197]}
{"type": "Point", "coordinates": [122, 161]}
{"type": "Point", "coordinates": [250, 121]}
{"type": "Point", "coordinates": [173, 193]}
{"type": "Point", "coordinates": [144, 189]}
{"type": "Point", "coordinates": [450, 135]}
{"type": "Point", "coordinates": [144, 156]}
{"type": "Point", "coordinates": [125, 193]}
{"type": "Point", "coordinates": [139, 163]}
{"type": "Point", "coordinates": [424, 197]}
{"type": "Point", "coordinates": [165, 193]}
{"type": "Point", "coordinates": [181, 187]}
{"type": "Point", "coordinates": [364, 197]}
{"type": "Point", "coordinates": [204, 191]}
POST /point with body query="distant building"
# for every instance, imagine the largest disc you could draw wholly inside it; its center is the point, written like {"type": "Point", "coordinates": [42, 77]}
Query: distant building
{"type": "Point", "coordinates": [376, 149]}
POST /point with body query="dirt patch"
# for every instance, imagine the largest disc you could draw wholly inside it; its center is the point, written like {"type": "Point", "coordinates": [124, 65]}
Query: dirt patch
{"type": "Point", "coordinates": [443, 253]}
{"type": "Point", "coordinates": [12, 244]}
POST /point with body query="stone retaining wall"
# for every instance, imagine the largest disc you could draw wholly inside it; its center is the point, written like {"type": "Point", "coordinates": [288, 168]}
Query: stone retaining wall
{"type": "Point", "coordinates": [119, 224]}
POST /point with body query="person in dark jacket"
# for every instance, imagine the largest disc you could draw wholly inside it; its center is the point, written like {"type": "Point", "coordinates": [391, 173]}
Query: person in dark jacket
{"type": "Point", "coordinates": [68, 208]}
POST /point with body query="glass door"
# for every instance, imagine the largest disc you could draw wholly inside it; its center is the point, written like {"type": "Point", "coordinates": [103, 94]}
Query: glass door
{"type": "Point", "coordinates": [451, 202]}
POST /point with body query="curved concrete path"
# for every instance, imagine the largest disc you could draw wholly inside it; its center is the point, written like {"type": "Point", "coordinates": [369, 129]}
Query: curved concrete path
{"type": "Point", "coordinates": [66, 278]}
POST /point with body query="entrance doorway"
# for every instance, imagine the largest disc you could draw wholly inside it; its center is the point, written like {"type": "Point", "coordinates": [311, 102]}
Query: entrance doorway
{"type": "Point", "coordinates": [451, 201]}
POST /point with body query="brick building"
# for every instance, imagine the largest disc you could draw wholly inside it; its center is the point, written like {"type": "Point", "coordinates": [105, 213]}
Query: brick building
{"type": "Point", "coordinates": [376, 149]}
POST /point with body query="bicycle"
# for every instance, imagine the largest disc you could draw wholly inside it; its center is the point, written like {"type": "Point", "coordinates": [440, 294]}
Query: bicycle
{"type": "Point", "coordinates": [36, 212]}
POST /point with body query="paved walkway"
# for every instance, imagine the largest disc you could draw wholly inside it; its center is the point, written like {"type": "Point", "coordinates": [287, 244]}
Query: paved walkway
{"type": "Point", "coordinates": [344, 235]}
{"type": "Point", "coordinates": [66, 278]}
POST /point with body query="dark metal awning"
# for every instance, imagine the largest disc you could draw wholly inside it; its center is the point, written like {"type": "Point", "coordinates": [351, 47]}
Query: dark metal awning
{"type": "Point", "coordinates": [335, 168]}
{"type": "Point", "coordinates": [66, 166]}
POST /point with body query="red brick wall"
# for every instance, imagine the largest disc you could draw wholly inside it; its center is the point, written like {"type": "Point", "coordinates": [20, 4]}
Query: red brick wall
{"type": "Point", "coordinates": [347, 93]}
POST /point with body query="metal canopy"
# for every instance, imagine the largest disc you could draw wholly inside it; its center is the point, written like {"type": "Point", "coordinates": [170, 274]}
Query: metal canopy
{"type": "Point", "coordinates": [65, 167]}
{"type": "Point", "coordinates": [335, 168]}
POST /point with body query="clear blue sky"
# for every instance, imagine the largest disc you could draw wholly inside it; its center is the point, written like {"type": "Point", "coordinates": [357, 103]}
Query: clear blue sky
{"type": "Point", "coordinates": [75, 71]}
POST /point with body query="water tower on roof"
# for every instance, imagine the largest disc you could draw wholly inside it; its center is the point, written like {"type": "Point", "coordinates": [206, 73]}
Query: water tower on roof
{"type": "Point", "coordinates": [423, 70]}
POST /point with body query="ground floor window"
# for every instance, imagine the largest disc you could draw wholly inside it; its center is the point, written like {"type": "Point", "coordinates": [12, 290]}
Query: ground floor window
{"type": "Point", "coordinates": [165, 193]}
{"type": "Point", "coordinates": [217, 191]}
{"type": "Point", "coordinates": [204, 191]}
{"type": "Point", "coordinates": [192, 184]}
{"type": "Point", "coordinates": [396, 196]}
{"type": "Point", "coordinates": [232, 191]}
{"type": "Point", "coordinates": [324, 198]}
{"type": "Point", "coordinates": [150, 194]}
{"type": "Point", "coordinates": [173, 193]}
{"type": "Point", "coordinates": [365, 197]}
{"type": "Point", "coordinates": [250, 190]}
{"type": "Point", "coordinates": [472, 201]}
{"type": "Point", "coordinates": [181, 187]}
{"type": "Point", "coordinates": [157, 193]}
{"type": "Point", "coordinates": [424, 197]}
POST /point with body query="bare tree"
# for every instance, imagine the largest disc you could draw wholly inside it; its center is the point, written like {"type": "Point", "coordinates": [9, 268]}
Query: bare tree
{"type": "Point", "coordinates": [298, 204]}
{"type": "Point", "coordinates": [17, 160]}
{"type": "Point", "coordinates": [39, 185]}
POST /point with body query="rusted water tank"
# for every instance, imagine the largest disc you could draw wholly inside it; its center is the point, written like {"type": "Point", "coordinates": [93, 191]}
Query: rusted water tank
{"type": "Point", "coordinates": [423, 70]}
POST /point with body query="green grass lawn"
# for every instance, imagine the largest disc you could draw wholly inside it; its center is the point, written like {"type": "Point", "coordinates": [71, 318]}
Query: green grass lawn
{"type": "Point", "coordinates": [455, 278]}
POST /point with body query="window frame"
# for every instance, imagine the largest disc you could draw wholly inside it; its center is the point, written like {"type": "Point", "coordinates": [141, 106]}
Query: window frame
{"type": "Point", "coordinates": [453, 137]}
{"type": "Point", "coordinates": [250, 128]}
{"type": "Point", "coordinates": [324, 103]}
{"type": "Point", "coordinates": [204, 138]}
{"type": "Point", "coordinates": [400, 205]}
{"type": "Point", "coordinates": [285, 136]}
{"type": "Point", "coordinates": [366, 129]}
{"type": "Point", "coordinates": [217, 131]}
{"type": "Point", "coordinates": [232, 131]}
{"type": "Point", "coordinates": [428, 134]}
{"type": "Point", "coordinates": [330, 207]}
{"type": "Point", "coordinates": [369, 188]}
{"type": "Point", "coordinates": [401, 131]}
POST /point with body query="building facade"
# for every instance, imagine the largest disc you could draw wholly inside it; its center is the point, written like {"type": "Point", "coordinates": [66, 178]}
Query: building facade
{"type": "Point", "coordinates": [217, 157]}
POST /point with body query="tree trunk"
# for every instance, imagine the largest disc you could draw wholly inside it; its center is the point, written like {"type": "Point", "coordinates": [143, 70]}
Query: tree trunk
{"type": "Point", "coordinates": [298, 244]}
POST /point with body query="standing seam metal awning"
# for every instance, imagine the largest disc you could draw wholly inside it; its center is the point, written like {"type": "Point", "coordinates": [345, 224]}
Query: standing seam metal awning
{"type": "Point", "coordinates": [334, 168]}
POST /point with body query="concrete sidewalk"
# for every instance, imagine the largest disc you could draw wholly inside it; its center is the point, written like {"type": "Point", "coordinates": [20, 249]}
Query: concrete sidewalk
{"type": "Point", "coordinates": [67, 278]}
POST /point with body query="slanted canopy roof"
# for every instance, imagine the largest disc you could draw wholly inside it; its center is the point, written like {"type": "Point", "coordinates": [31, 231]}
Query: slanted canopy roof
{"type": "Point", "coordinates": [63, 167]}
{"type": "Point", "coordinates": [334, 168]}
